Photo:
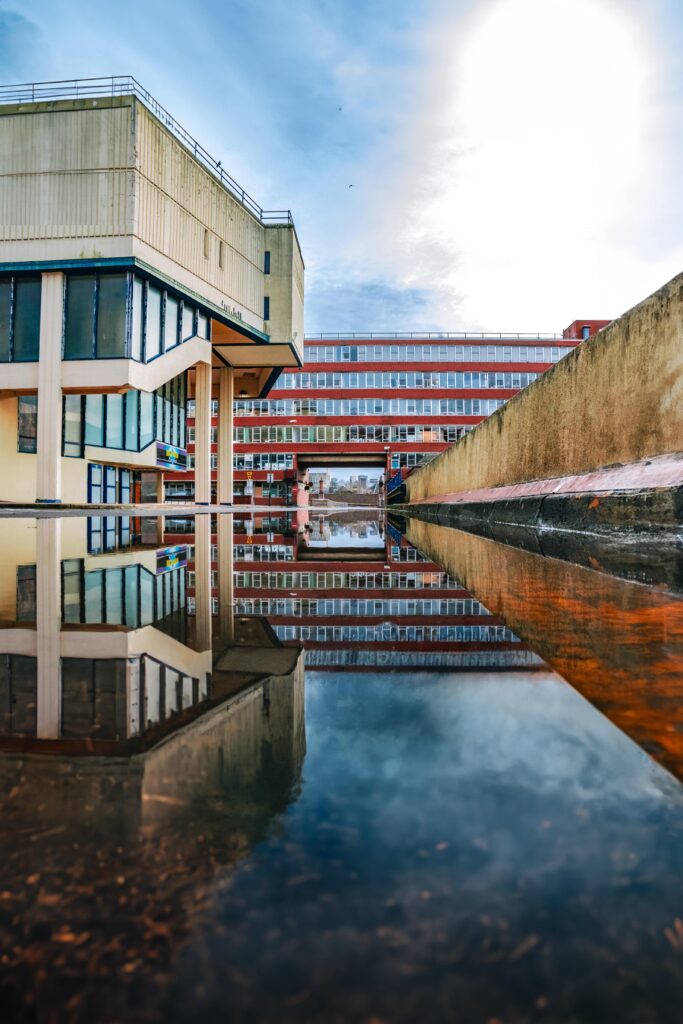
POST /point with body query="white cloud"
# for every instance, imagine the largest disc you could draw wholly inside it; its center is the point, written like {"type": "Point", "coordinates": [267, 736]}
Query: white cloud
{"type": "Point", "coordinates": [526, 185]}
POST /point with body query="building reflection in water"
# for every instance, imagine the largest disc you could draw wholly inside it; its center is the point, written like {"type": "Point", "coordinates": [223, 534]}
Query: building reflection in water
{"type": "Point", "coordinates": [356, 594]}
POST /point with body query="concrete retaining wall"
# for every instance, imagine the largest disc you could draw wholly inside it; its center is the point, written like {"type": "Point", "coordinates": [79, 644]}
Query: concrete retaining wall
{"type": "Point", "coordinates": [617, 398]}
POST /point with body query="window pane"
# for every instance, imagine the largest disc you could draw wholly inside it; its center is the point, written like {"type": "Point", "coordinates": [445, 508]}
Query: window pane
{"type": "Point", "coordinates": [114, 423]}
{"type": "Point", "coordinates": [27, 423]}
{"type": "Point", "coordinates": [146, 418]}
{"type": "Point", "coordinates": [111, 316]}
{"type": "Point", "coordinates": [26, 320]}
{"type": "Point", "coordinates": [132, 421]}
{"type": "Point", "coordinates": [94, 420]}
{"type": "Point", "coordinates": [153, 336]}
{"type": "Point", "coordinates": [80, 317]}
{"type": "Point", "coordinates": [188, 322]}
{"type": "Point", "coordinates": [202, 326]}
{"type": "Point", "coordinates": [73, 426]}
{"type": "Point", "coordinates": [136, 329]}
{"type": "Point", "coordinates": [170, 323]}
{"type": "Point", "coordinates": [5, 309]}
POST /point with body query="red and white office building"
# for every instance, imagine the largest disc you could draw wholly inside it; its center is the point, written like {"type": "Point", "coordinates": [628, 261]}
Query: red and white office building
{"type": "Point", "coordinates": [375, 400]}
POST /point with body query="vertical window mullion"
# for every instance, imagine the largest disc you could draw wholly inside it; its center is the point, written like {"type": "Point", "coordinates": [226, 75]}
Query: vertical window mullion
{"type": "Point", "coordinates": [96, 303]}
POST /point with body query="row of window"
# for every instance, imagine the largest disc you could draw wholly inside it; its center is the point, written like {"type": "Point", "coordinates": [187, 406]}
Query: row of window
{"type": "Point", "coordinates": [443, 353]}
{"type": "Point", "coordinates": [106, 316]}
{"type": "Point", "coordinates": [122, 595]}
{"type": "Point", "coordinates": [367, 406]}
{"type": "Point", "coordinates": [347, 606]}
{"type": "Point", "coordinates": [358, 581]}
{"type": "Point", "coordinates": [247, 460]}
{"type": "Point", "coordinates": [411, 379]}
{"type": "Point", "coordinates": [401, 433]}
{"type": "Point", "coordinates": [120, 315]}
{"type": "Point", "coordinates": [389, 631]}
{"type": "Point", "coordinates": [131, 421]}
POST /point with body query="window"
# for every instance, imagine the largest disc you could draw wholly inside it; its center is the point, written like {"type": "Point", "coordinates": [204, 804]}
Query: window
{"type": "Point", "coordinates": [137, 327]}
{"type": "Point", "coordinates": [27, 423]}
{"type": "Point", "coordinates": [221, 254]}
{"type": "Point", "coordinates": [266, 307]}
{"type": "Point", "coordinates": [26, 332]}
{"type": "Point", "coordinates": [114, 422]}
{"type": "Point", "coordinates": [79, 334]}
{"type": "Point", "coordinates": [146, 418]}
{"type": "Point", "coordinates": [94, 420]}
{"type": "Point", "coordinates": [111, 316]}
{"type": "Point", "coordinates": [170, 323]}
{"type": "Point", "coordinates": [131, 399]}
{"type": "Point", "coordinates": [206, 244]}
{"type": "Point", "coordinates": [5, 319]}
{"type": "Point", "coordinates": [187, 330]}
{"type": "Point", "coordinates": [585, 331]}
{"type": "Point", "coordinates": [72, 442]}
{"type": "Point", "coordinates": [153, 339]}
{"type": "Point", "coordinates": [266, 262]}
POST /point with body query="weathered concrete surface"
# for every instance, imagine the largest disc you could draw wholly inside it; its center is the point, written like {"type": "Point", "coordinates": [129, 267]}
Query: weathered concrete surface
{"type": "Point", "coordinates": [616, 399]}
{"type": "Point", "coordinates": [619, 644]}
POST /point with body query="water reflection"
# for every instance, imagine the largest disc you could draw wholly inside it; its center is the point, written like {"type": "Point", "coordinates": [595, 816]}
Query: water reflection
{"type": "Point", "coordinates": [432, 825]}
{"type": "Point", "coordinates": [618, 643]}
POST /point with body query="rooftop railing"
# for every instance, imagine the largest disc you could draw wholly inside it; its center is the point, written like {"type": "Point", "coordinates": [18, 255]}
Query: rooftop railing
{"type": "Point", "coordinates": [126, 85]}
{"type": "Point", "coordinates": [436, 336]}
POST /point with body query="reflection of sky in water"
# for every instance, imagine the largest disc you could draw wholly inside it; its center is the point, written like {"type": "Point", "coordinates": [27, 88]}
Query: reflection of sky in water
{"type": "Point", "coordinates": [464, 848]}
{"type": "Point", "coordinates": [364, 534]}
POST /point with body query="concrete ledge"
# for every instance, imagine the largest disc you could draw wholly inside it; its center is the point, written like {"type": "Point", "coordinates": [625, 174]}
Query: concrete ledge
{"type": "Point", "coordinates": [645, 512]}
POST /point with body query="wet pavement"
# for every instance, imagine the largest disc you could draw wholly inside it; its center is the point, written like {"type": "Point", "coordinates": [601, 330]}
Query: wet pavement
{"type": "Point", "coordinates": [309, 768]}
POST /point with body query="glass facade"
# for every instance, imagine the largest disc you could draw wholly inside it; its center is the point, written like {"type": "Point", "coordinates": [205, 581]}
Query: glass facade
{"type": "Point", "coordinates": [117, 316]}
{"type": "Point", "coordinates": [129, 422]}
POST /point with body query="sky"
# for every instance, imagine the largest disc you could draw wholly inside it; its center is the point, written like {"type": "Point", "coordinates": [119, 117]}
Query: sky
{"type": "Point", "coordinates": [450, 164]}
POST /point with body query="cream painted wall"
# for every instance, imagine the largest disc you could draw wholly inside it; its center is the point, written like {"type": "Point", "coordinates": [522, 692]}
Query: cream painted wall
{"type": "Point", "coordinates": [285, 286]}
{"type": "Point", "coordinates": [103, 178]}
{"type": "Point", "coordinates": [18, 479]}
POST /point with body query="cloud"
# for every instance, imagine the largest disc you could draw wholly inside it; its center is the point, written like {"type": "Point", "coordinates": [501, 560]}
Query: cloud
{"type": "Point", "coordinates": [335, 305]}
{"type": "Point", "coordinates": [528, 187]}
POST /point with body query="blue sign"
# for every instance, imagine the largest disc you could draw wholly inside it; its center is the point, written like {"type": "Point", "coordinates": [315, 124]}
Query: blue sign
{"type": "Point", "coordinates": [171, 457]}
{"type": "Point", "coordinates": [169, 559]}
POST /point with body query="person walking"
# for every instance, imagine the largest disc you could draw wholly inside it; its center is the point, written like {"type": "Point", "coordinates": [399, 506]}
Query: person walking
{"type": "Point", "coordinates": [380, 491]}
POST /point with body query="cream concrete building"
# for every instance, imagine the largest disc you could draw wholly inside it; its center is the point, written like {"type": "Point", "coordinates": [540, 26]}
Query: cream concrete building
{"type": "Point", "coordinates": [134, 272]}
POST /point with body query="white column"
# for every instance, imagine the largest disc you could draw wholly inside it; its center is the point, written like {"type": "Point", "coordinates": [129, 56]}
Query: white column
{"type": "Point", "coordinates": [226, 396]}
{"type": "Point", "coordinates": [226, 587]}
{"type": "Point", "coordinates": [202, 581]}
{"type": "Point", "coordinates": [49, 432]}
{"type": "Point", "coordinates": [48, 627]}
{"type": "Point", "coordinates": [202, 434]}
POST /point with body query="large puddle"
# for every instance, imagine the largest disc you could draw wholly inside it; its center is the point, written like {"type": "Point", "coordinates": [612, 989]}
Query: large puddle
{"type": "Point", "coordinates": [301, 768]}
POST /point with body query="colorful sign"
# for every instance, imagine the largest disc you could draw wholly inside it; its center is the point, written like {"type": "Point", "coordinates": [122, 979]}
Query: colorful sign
{"type": "Point", "coordinates": [171, 457]}
{"type": "Point", "coordinates": [169, 559]}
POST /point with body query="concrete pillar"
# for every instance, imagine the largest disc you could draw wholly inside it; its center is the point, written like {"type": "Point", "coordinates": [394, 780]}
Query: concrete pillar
{"type": "Point", "coordinates": [48, 627]}
{"type": "Point", "coordinates": [202, 581]}
{"type": "Point", "coordinates": [202, 434]}
{"type": "Point", "coordinates": [226, 396]}
{"type": "Point", "coordinates": [226, 586]}
{"type": "Point", "coordinates": [49, 432]}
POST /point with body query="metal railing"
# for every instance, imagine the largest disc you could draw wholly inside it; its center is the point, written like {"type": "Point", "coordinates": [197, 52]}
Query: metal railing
{"type": "Point", "coordinates": [126, 85]}
{"type": "Point", "coordinates": [436, 336]}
